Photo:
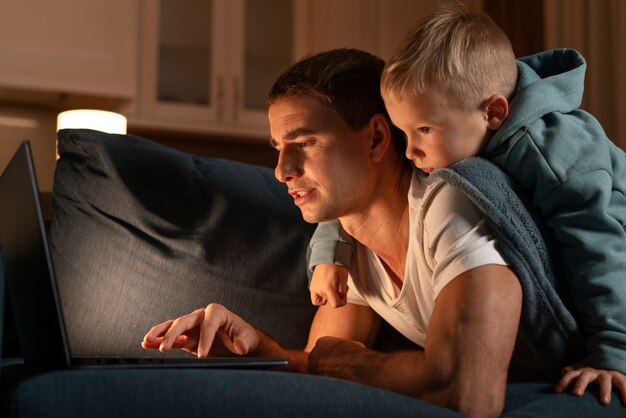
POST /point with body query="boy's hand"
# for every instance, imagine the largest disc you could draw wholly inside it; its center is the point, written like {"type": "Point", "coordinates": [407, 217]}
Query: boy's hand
{"type": "Point", "coordinates": [578, 377]}
{"type": "Point", "coordinates": [329, 284]}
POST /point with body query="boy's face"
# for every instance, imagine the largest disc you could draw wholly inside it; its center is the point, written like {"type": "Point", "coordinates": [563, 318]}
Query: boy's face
{"type": "Point", "coordinates": [321, 159]}
{"type": "Point", "coordinates": [438, 135]}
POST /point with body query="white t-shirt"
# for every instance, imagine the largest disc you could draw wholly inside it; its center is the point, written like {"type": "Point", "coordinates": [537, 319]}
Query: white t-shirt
{"type": "Point", "coordinates": [447, 236]}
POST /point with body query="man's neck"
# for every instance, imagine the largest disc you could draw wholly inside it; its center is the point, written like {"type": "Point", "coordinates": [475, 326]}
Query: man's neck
{"type": "Point", "coordinates": [383, 226]}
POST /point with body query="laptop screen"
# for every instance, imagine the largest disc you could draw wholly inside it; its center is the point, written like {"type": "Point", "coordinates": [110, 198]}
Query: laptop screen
{"type": "Point", "coordinates": [28, 266]}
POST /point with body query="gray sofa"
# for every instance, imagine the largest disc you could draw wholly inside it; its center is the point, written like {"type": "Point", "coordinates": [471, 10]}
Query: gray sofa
{"type": "Point", "coordinates": [142, 233]}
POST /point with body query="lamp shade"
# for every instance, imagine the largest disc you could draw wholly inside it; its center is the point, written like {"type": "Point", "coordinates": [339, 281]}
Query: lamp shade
{"type": "Point", "coordinates": [99, 120]}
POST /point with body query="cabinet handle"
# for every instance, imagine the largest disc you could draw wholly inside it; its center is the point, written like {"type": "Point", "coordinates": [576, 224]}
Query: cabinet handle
{"type": "Point", "coordinates": [221, 98]}
{"type": "Point", "coordinates": [236, 99]}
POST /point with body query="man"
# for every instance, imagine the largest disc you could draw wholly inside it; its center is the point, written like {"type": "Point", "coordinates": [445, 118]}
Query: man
{"type": "Point", "coordinates": [425, 252]}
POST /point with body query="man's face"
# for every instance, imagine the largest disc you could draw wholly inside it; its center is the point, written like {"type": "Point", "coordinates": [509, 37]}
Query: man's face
{"type": "Point", "coordinates": [438, 135]}
{"type": "Point", "coordinates": [320, 158]}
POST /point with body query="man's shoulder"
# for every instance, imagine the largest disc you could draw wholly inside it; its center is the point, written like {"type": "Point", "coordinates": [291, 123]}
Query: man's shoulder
{"type": "Point", "coordinates": [442, 203]}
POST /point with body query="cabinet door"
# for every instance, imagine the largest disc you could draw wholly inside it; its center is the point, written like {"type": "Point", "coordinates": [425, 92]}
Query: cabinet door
{"type": "Point", "coordinates": [267, 45]}
{"type": "Point", "coordinates": [69, 46]}
{"type": "Point", "coordinates": [208, 65]}
{"type": "Point", "coordinates": [177, 60]}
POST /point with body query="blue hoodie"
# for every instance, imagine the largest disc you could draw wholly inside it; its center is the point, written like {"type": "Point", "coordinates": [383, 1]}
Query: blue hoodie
{"type": "Point", "coordinates": [576, 178]}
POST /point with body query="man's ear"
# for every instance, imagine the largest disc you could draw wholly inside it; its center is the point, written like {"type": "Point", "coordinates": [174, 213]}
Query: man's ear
{"type": "Point", "coordinates": [497, 111]}
{"type": "Point", "coordinates": [381, 136]}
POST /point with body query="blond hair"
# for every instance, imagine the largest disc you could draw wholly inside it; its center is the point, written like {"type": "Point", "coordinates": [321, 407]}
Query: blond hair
{"type": "Point", "coordinates": [463, 56]}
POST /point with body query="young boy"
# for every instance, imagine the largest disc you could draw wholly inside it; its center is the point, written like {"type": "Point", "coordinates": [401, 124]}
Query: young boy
{"type": "Point", "coordinates": [456, 90]}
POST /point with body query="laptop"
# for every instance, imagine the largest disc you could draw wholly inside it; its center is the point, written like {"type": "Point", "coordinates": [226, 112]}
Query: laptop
{"type": "Point", "coordinates": [32, 286]}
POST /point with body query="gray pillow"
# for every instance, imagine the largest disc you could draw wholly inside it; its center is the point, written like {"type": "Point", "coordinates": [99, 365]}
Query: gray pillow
{"type": "Point", "coordinates": [142, 233]}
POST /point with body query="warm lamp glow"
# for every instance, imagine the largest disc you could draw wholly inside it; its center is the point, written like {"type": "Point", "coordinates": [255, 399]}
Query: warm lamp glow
{"type": "Point", "coordinates": [99, 120]}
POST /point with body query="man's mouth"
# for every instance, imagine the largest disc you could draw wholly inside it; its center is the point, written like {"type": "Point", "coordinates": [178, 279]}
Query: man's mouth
{"type": "Point", "coordinates": [300, 196]}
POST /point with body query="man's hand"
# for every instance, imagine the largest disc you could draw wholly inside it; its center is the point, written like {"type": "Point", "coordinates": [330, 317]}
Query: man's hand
{"type": "Point", "coordinates": [213, 330]}
{"type": "Point", "coordinates": [329, 284]}
{"type": "Point", "coordinates": [578, 377]}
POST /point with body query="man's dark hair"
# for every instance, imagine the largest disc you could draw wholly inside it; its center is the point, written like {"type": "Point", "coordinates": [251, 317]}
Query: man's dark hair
{"type": "Point", "coordinates": [345, 80]}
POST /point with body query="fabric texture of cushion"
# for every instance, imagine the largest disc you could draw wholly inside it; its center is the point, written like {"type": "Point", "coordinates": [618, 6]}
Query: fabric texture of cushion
{"type": "Point", "coordinates": [142, 233]}
{"type": "Point", "coordinates": [208, 393]}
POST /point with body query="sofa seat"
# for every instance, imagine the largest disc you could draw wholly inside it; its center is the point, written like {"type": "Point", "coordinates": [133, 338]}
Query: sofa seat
{"type": "Point", "coordinates": [116, 392]}
{"type": "Point", "coordinates": [205, 393]}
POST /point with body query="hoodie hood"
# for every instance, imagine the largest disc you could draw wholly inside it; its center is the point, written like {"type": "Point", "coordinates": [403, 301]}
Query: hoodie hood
{"type": "Point", "coordinates": [551, 81]}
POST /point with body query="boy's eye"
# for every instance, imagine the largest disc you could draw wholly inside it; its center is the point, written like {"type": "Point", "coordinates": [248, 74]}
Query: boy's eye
{"type": "Point", "coordinates": [425, 129]}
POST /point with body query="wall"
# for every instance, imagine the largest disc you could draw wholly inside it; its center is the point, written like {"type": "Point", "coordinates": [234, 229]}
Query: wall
{"type": "Point", "coordinates": [595, 28]}
{"type": "Point", "coordinates": [598, 30]}
{"type": "Point", "coordinates": [36, 125]}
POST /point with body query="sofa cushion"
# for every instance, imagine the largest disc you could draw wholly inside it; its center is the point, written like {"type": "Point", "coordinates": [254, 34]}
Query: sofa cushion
{"type": "Point", "coordinates": [142, 233]}
{"type": "Point", "coordinates": [207, 393]}
{"type": "Point", "coordinates": [253, 393]}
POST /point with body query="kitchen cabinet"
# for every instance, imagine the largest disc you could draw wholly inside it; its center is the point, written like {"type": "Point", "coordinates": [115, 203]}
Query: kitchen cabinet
{"type": "Point", "coordinates": [207, 65]}
{"type": "Point", "coordinates": [69, 47]}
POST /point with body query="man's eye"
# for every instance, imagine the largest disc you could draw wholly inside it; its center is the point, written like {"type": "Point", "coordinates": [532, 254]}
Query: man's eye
{"type": "Point", "coordinates": [305, 144]}
{"type": "Point", "coordinates": [425, 129]}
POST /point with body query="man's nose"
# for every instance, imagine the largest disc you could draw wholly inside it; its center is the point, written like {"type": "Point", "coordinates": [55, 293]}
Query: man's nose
{"type": "Point", "coordinates": [288, 167]}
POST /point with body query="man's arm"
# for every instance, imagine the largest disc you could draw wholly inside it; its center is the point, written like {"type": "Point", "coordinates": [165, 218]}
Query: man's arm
{"type": "Point", "coordinates": [350, 322]}
{"type": "Point", "coordinates": [215, 330]}
{"type": "Point", "coordinates": [354, 323]}
{"type": "Point", "coordinates": [468, 347]}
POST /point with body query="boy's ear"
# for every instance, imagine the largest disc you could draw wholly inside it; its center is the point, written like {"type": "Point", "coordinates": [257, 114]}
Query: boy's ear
{"type": "Point", "coordinates": [381, 136]}
{"type": "Point", "coordinates": [497, 111]}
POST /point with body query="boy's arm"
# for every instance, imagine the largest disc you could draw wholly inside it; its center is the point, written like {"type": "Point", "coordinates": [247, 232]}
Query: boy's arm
{"type": "Point", "coordinates": [329, 245]}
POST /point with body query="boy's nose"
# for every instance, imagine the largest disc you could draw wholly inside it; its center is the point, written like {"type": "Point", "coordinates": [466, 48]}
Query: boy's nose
{"type": "Point", "coordinates": [413, 152]}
